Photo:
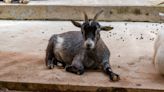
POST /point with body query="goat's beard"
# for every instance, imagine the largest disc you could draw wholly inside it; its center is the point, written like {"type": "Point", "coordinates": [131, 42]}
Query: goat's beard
{"type": "Point", "coordinates": [88, 49]}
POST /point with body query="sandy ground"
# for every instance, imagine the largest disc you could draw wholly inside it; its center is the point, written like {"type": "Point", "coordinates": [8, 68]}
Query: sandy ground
{"type": "Point", "coordinates": [22, 52]}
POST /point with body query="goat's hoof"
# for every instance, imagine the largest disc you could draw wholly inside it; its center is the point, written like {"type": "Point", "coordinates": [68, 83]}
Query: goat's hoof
{"type": "Point", "coordinates": [114, 77]}
{"type": "Point", "coordinates": [51, 66]}
{"type": "Point", "coordinates": [73, 69]}
{"type": "Point", "coordinates": [79, 72]}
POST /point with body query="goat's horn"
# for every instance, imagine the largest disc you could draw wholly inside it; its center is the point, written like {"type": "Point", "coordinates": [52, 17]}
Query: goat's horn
{"type": "Point", "coordinates": [97, 14]}
{"type": "Point", "coordinates": [86, 17]}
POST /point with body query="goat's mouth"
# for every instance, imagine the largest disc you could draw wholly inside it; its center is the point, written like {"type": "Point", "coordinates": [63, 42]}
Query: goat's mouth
{"type": "Point", "coordinates": [89, 48]}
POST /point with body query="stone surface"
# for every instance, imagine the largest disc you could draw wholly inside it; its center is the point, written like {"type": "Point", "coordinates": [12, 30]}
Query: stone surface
{"type": "Point", "coordinates": [114, 10]}
{"type": "Point", "coordinates": [22, 52]}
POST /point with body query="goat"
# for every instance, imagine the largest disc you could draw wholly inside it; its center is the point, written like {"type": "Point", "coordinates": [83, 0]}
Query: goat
{"type": "Point", "coordinates": [81, 50]}
{"type": "Point", "coordinates": [20, 1]}
{"type": "Point", "coordinates": [159, 52]}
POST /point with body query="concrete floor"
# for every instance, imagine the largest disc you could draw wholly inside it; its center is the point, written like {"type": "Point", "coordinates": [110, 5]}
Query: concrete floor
{"type": "Point", "coordinates": [97, 2]}
{"type": "Point", "coordinates": [22, 52]}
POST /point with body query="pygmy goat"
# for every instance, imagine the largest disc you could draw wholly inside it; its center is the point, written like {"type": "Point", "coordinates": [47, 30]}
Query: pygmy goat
{"type": "Point", "coordinates": [20, 1]}
{"type": "Point", "coordinates": [159, 52]}
{"type": "Point", "coordinates": [81, 50]}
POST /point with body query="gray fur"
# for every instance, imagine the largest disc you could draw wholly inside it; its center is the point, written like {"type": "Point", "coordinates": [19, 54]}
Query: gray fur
{"type": "Point", "coordinates": [69, 49]}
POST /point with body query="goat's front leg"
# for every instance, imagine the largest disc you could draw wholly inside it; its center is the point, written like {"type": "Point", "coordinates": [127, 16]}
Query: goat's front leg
{"type": "Point", "coordinates": [77, 65]}
{"type": "Point", "coordinates": [113, 76]}
{"type": "Point", "coordinates": [50, 58]}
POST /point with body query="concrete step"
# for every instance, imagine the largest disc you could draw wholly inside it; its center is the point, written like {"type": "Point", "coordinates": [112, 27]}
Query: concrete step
{"type": "Point", "coordinates": [22, 53]}
{"type": "Point", "coordinates": [114, 10]}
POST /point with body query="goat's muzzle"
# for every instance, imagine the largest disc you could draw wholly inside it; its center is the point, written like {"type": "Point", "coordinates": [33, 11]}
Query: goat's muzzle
{"type": "Point", "coordinates": [89, 44]}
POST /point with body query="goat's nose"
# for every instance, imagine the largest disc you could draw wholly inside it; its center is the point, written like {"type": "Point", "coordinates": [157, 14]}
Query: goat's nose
{"type": "Point", "coordinates": [88, 45]}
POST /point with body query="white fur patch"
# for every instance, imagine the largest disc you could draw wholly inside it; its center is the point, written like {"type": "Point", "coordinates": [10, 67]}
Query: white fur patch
{"type": "Point", "coordinates": [90, 23]}
{"type": "Point", "coordinates": [89, 41]}
{"type": "Point", "coordinates": [59, 43]}
{"type": "Point", "coordinates": [159, 52]}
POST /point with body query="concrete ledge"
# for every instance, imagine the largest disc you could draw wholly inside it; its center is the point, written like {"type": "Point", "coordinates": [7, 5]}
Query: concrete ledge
{"type": "Point", "coordinates": [22, 53]}
{"type": "Point", "coordinates": [64, 10]}
{"type": "Point", "coordinates": [67, 88]}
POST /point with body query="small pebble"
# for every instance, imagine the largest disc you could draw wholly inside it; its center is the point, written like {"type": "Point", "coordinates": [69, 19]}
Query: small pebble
{"type": "Point", "coordinates": [119, 66]}
{"type": "Point", "coordinates": [138, 85]}
{"type": "Point", "coordinates": [141, 38]}
{"type": "Point", "coordinates": [152, 39]}
{"type": "Point", "coordinates": [131, 63]}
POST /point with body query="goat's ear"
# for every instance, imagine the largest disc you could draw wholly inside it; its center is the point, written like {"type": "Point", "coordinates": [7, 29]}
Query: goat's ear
{"type": "Point", "coordinates": [77, 24]}
{"type": "Point", "coordinates": [106, 28]}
